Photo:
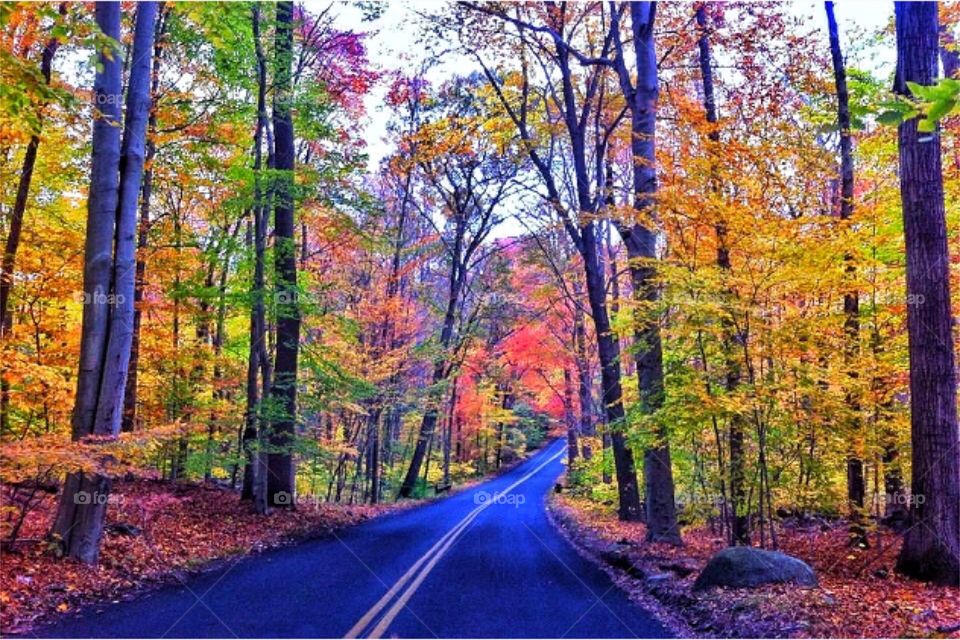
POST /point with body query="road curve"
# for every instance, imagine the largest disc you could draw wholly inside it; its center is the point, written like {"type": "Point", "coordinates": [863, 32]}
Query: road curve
{"type": "Point", "coordinates": [484, 563]}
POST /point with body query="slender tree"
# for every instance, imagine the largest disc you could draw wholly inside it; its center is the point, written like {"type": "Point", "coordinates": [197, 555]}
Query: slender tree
{"type": "Point", "coordinates": [143, 228]}
{"type": "Point", "coordinates": [574, 105]}
{"type": "Point", "coordinates": [640, 240]}
{"type": "Point", "coordinates": [931, 546]}
{"type": "Point", "coordinates": [23, 188]}
{"type": "Point", "coordinates": [101, 216]}
{"type": "Point", "coordinates": [739, 516]}
{"type": "Point", "coordinates": [851, 299]}
{"type": "Point", "coordinates": [258, 360]}
{"type": "Point", "coordinates": [472, 183]}
{"type": "Point", "coordinates": [283, 388]}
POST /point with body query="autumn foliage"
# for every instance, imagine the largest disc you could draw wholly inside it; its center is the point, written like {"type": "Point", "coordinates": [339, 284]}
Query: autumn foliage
{"type": "Point", "coordinates": [559, 235]}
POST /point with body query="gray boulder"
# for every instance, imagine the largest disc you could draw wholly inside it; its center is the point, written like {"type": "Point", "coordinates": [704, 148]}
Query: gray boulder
{"type": "Point", "coordinates": [749, 567]}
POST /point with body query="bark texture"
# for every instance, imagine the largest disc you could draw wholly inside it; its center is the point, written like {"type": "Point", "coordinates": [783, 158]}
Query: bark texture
{"type": "Point", "coordinates": [101, 218]}
{"type": "Point", "coordinates": [283, 391]}
{"type": "Point", "coordinates": [129, 421]}
{"type": "Point", "coordinates": [931, 547]}
{"type": "Point", "coordinates": [113, 384]}
{"type": "Point", "coordinates": [109, 271]}
{"type": "Point", "coordinates": [640, 240]}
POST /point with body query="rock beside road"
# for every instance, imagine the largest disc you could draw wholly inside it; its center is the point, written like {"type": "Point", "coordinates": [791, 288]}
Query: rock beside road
{"type": "Point", "coordinates": [749, 567]}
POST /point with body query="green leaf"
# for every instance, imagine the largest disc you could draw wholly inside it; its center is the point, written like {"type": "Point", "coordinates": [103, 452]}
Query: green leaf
{"type": "Point", "coordinates": [940, 108]}
{"type": "Point", "coordinates": [927, 126]}
{"type": "Point", "coordinates": [890, 118]}
{"type": "Point", "coordinates": [921, 91]}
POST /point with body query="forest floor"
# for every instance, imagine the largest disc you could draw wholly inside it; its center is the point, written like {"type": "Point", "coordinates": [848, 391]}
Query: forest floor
{"type": "Point", "coordinates": [180, 528]}
{"type": "Point", "coordinates": [859, 593]}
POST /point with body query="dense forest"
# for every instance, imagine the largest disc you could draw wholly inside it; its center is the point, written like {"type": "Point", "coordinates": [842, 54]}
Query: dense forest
{"type": "Point", "coordinates": [712, 246]}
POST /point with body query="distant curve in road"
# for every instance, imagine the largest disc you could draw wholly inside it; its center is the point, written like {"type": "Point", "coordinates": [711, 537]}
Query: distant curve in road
{"type": "Point", "coordinates": [483, 563]}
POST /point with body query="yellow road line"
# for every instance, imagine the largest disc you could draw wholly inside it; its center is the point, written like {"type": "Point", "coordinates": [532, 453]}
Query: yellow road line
{"type": "Point", "coordinates": [441, 547]}
{"type": "Point", "coordinates": [362, 623]}
{"type": "Point", "coordinates": [401, 602]}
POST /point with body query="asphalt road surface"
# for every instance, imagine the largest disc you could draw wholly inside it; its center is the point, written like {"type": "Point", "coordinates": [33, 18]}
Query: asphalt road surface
{"type": "Point", "coordinates": [484, 563]}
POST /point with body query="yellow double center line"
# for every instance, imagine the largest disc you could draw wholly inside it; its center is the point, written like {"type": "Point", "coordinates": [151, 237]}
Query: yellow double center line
{"type": "Point", "coordinates": [425, 564]}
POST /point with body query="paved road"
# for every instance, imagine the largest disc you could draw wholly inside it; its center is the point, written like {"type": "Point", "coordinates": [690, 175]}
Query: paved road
{"type": "Point", "coordinates": [466, 566]}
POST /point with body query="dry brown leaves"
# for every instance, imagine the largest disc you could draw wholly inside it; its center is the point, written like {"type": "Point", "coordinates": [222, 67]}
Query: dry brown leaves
{"type": "Point", "coordinates": [184, 527]}
{"type": "Point", "coordinates": [859, 595]}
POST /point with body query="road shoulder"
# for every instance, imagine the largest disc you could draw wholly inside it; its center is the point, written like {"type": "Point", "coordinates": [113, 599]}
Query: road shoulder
{"type": "Point", "coordinates": [858, 595]}
{"type": "Point", "coordinates": [590, 545]}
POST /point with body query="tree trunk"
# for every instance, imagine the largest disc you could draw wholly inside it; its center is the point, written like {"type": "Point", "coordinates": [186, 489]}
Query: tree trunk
{"type": "Point", "coordinates": [81, 515]}
{"type": "Point", "coordinates": [608, 346]}
{"type": "Point", "coordinates": [640, 241]}
{"type": "Point", "coordinates": [427, 426]}
{"type": "Point", "coordinates": [373, 454]}
{"type": "Point", "coordinates": [429, 422]}
{"type": "Point", "coordinates": [218, 338]}
{"type": "Point", "coordinates": [612, 392]}
{"type": "Point", "coordinates": [129, 421]}
{"type": "Point", "coordinates": [132, 154]}
{"type": "Point", "coordinates": [851, 299]}
{"type": "Point", "coordinates": [283, 391]}
{"type": "Point", "coordinates": [739, 517]}
{"type": "Point", "coordinates": [79, 521]}
{"type": "Point", "coordinates": [931, 547]}
{"type": "Point", "coordinates": [569, 417]}
{"type": "Point", "coordinates": [258, 376]}
{"type": "Point", "coordinates": [895, 505]}
{"type": "Point", "coordinates": [583, 233]}
{"type": "Point", "coordinates": [448, 435]}
{"type": "Point", "coordinates": [101, 216]}
{"type": "Point", "coordinates": [584, 380]}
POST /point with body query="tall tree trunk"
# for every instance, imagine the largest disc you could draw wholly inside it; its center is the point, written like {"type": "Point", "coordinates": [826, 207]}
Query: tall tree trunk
{"type": "Point", "coordinates": [851, 299]}
{"type": "Point", "coordinates": [640, 240]}
{"type": "Point", "coordinates": [506, 405]}
{"type": "Point", "coordinates": [931, 547]}
{"type": "Point", "coordinates": [739, 516]}
{"type": "Point", "coordinates": [8, 261]}
{"type": "Point", "coordinates": [606, 441]}
{"type": "Point", "coordinates": [79, 520]}
{"type": "Point", "coordinates": [448, 435]}
{"type": "Point", "coordinates": [258, 367]}
{"type": "Point", "coordinates": [175, 409]}
{"type": "Point", "coordinates": [132, 153]}
{"type": "Point", "coordinates": [612, 392]}
{"type": "Point", "coordinates": [101, 218]}
{"type": "Point", "coordinates": [373, 454]}
{"type": "Point", "coordinates": [283, 391]}
{"type": "Point", "coordinates": [129, 421]}
{"type": "Point", "coordinates": [608, 346]}
{"type": "Point", "coordinates": [584, 379]}
{"type": "Point", "coordinates": [583, 233]}
{"type": "Point", "coordinates": [219, 393]}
